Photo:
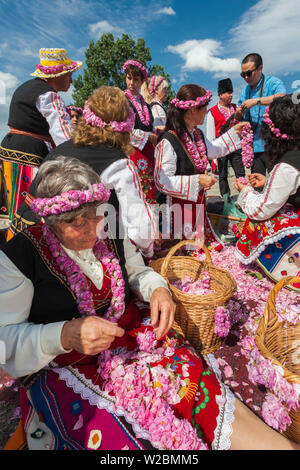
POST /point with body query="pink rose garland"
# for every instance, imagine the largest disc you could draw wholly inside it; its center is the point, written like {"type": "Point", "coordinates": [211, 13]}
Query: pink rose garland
{"type": "Point", "coordinates": [247, 146]}
{"type": "Point", "coordinates": [198, 154]}
{"type": "Point", "coordinates": [142, 108]}
{"type": "Point", "coordinates": [78, 282]}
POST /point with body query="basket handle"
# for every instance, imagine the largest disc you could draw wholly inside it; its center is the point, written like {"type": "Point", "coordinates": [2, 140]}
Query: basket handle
{"type": "Point", "coordinates": [165, 264]}
{"type": "Point", "coordinates": [270, 313]}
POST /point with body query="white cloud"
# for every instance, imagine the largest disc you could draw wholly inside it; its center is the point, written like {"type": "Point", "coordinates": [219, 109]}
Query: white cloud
{"type": "Point", "coordinates": [103, 27]}
{"type": "Point", "coordinates": [206, 55]}
{"type": "Point", "coordinates": [271, 28]}
{"type": "Point", "coordinates": [166, 11]}
{"type": "Point", "coordinates": [8, 81]}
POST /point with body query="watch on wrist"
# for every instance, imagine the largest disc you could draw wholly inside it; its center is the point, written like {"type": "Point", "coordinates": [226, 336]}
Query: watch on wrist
{"type": "Point", "coordinates": [258, 102]}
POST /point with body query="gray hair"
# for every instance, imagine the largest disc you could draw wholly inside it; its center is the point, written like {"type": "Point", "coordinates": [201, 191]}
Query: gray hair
{"type": "Point", "coordinates": [63, 174]}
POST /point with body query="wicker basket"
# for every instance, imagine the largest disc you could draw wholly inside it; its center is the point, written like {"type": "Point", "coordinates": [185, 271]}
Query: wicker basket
{"type": "Point", "coordinates": [194, 316]}
{"type": "Point", "coordinates": [281, 344]}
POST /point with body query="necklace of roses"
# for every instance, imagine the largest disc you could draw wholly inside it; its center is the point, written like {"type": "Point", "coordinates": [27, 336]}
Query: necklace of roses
{"type": "Point", "coordinates": [142, 108]}
{"type": "Point", "coordinates": [198, 153]}
{"type": "Point", "coordinates": [78, 281]}
{"type": "Point", "coordinates": [227, 112]}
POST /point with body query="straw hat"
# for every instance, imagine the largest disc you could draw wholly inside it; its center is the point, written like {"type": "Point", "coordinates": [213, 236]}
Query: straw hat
{"type": "Point", "coordinates": [54, 63]}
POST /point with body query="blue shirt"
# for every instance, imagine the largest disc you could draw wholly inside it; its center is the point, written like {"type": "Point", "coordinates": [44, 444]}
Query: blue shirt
{"type": "Point", "coordinates": [255, 114]}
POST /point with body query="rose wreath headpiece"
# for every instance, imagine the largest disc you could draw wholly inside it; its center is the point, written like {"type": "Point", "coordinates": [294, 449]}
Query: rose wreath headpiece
{"type": "Point", "coordinates": [274, 129]}
{"type": "Point", "coordinates": [199, 101]}
{"type": "Point", "coordinates": [117, 126]}
{"type": "Point", "coordinates": [154, 85]}
{"type": "Point", "coordinates": [69, 200]}
{"type": "Point", "coordinates": [136, 63]}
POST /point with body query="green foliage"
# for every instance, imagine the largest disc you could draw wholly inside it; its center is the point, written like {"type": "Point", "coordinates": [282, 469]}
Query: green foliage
{"type": "Point", "coordinates": [104, 60]}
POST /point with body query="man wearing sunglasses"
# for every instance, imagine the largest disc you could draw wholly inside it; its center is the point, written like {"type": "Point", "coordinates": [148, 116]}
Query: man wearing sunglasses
{"type": "Point", "coordinates": [259, 92]}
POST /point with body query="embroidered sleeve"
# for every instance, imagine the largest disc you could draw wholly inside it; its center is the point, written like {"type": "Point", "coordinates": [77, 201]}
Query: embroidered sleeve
{"type": "Point", "coordinates": [210, 127]}
{"type": "Point", "coordinates": [142, 279]}
{"type": "Point", "coordinates": [27, 347]}
{"type": "Point", "coordinates": [159, 116]}
{"type": "Point", "coordinates": [52, 107]}
{"type": "Point", "coordinates": [136, 214]}
{"type": "Point", "coordinates": [223, 145]}
{"type": "Point", "coordinates": [283, 182]}
{"type": "Point", "coordinates": [138, 138]}
{"type": "Point", "coordinates": [166, 180]}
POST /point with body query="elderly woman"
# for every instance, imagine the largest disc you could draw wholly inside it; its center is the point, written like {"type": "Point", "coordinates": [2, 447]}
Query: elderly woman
{"type": "Point", "coordinates": [182, 157]}
{"type": "Point", "coordinates": [155, 92]}
{"type": "Point", "coordinates": [271, 234]}
{"type": "Point", "coordinates": [98, 372]}
{"type": "Point", "coordinates": [101, 139]}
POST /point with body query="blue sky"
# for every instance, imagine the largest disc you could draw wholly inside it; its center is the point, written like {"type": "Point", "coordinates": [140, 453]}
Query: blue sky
{"type": "Point", "coordinates": [197, 41]}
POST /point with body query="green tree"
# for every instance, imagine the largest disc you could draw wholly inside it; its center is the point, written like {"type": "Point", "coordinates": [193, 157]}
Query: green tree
{"type": "Point", "coordinates": [104, 60]}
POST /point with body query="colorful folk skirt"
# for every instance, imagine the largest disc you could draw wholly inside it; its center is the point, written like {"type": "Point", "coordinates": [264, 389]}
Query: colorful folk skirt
{"type": "Point", "coordinates": [68, 406]}
{"type": "Point", "coordinates": [274, 244]}
{"type": "Point", "coordinates": [144, 162]}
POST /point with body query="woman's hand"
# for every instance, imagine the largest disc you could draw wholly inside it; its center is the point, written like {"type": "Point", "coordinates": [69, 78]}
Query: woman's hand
{"type": "Point", "coordinates": [239, 127]}
{"type": "Point", "coordinates": [238, 185]}
{"type": "Point", "coordinates": [162, 311]}
{"type": "Point", "coordinates": [257, 180]}
{"type": "Point", "coordinates": [89, 335]}
{"type": "Point", "coordinates": [206, 180]}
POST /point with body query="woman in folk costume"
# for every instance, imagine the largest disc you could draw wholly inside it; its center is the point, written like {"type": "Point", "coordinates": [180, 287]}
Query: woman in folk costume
{"type": "Point", "coordinates": [143, 137]}
{"type": "Point", "coordinates": [38, 121]}
{"type": "Point", "coordinates": [155, 92]}
{"type": "Point", "coordinates": [182, 157]}
{"type": "Point", "coordinates": [104, 373]}
{"type": "Point", "coordinates": [101, 139]}
{"type": "Point", "coordinates": [271, 234]}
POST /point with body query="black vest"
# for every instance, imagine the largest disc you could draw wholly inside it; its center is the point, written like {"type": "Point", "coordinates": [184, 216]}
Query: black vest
{"type": "Point", "coordinates": [23, 113]}
{"type": "Point", "coordinates": [138, 123]}
{"type": "Point", "coordinates": [98, 157]}
{"type": "Point", "coordinates": [184, 163]}
{"type": "Point", "coordinates": [53, 299]}
{"type": "Point", "coordinates": [293, 158]}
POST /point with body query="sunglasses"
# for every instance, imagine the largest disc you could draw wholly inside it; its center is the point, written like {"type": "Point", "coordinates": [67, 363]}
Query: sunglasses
{"type": "Point", "coordinates": [248, 73]}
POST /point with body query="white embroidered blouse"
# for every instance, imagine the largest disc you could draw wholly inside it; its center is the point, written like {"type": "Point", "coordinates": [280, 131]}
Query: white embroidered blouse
{"type": "Point", "coordinates": [283, 182]}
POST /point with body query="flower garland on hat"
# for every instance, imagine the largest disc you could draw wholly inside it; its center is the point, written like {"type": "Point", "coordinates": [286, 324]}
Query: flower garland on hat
{"type": "Point", "coordinates": [142, 108]}
{"type": "Point", "coordinates": [198, 153]}
{"type": "Point", "coordinates": [117, 126]}
{"type": "Point", "coordinates": [69, 200]}
{"type": "Point", "coordinates": [199, 101]}
{"type": "Point", "coordinates": [274, 129]}
{"type": "Point", "coordinates": [139, 65]}
{"type": "Point", "coordinates": [78, 282]}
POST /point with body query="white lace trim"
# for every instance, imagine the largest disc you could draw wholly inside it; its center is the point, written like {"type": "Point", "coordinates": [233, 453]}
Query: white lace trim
{"type": "Point", "coordinates": [96, 397]}
{"type": "Point", "coordinates": [267, 241]}
{"type": "Point", "coordinates": [225, 418]}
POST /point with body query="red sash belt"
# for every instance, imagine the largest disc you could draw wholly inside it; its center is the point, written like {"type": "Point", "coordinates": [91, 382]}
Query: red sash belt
{"type": "Point", "coordinates": [45, 138]}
